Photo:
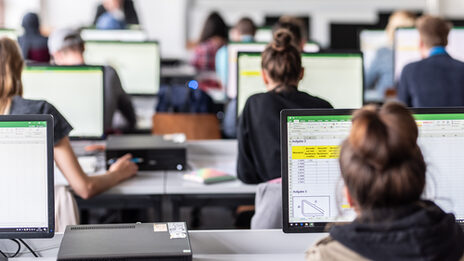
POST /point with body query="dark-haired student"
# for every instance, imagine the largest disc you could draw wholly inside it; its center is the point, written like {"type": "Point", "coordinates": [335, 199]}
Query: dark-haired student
{"type": "Point", "coordinates": [213, 36]}
{"type": "Point", "coordinates": [438, 79]}
{"type": "Point", "coordinates": [258, 132]}
{"type": "Point", "coordinates": [12, 102]}
{"type": "Point", "coordinates": [384, 175]}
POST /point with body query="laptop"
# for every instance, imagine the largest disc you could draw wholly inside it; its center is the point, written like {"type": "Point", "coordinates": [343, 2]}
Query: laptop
{"type": "Point", "coordinates": [147, 241]}
{"type": "Point", "coordinates": [311, 181]}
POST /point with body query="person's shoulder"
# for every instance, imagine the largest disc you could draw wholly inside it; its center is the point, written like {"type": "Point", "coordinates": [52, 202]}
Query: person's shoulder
{"type": "Point", "coordinates": [408, 68]}
{"type": "Point", "coordinates": [330, 249]}
{"type": "Point", "coordinates": [314, 101]}
{"type": "Point", "coordinates": [31, 106]}
{"type": "Point", "coordinates": [109, 70]}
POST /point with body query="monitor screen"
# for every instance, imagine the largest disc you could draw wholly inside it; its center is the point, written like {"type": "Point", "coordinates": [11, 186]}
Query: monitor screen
{"type": "Point", "coordinates": [113, 35]}
{"type": "Point", "coordinates": [370, 42]}
{"type": "Point", "coordinates": [137, 63]}
{"type": "Point", "coordinates": [9, 33]}
{"type": "Point", "coordinates": [234, 48]}
{"type": "Point", "coordinates": [76, 91]}
{"type": "Point", "coordinates": [335, 77]}
{"type": "Point", "coordinates": [407, 47]}
{"type": "Point", "coordinates": [26, 183]}
{"type": "Point", "coordinates": [312, 180]}
{"type": "Point", "coordinates": [263, 34]}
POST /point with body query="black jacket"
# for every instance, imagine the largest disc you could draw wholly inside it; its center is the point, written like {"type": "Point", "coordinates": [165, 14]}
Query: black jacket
{"type": "Point", "coordinates": [437, 81]}
{"type": "Point", "coordinates": [420, 231]}
{"type": "Point", "coordinates": [259, 132]}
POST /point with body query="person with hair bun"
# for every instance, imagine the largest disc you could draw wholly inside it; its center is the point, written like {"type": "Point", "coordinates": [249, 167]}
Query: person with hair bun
{"type": "Point", "coordinates": [384, 174]}
{"type": "Point", "coordinates": [259, 125]}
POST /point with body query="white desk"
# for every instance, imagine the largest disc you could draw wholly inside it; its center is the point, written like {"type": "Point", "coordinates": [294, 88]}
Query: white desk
{"type": "Point", "coordinates": [145, 183]}
{"type": "Point", "coordinates": [148, 188]}
{"type": "Point", "coordinates": [177, 185]}
{"type": "Point", "coordinates": [217, 154]}
{"type": "Point", "coordinates": [224, 245]}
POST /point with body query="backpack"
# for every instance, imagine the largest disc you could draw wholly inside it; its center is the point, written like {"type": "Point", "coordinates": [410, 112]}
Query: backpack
{"type": "Point", "coordinates": [180, 98]}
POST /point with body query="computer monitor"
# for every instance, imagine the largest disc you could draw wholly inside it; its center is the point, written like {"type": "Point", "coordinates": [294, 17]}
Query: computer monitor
{"type": "Point", "coordinates": [345, 36]}
{"type": "Point", "coordinates": [76, 91]}
{"type": "Point", "coordinates": [9, 33]}
{"type": "Point", "coordinates": [406, 48]}
{"type": "Point", "coordinates": [335, 77]}
{"type": "Point", "coordinates": [312, 183]}
{"type": "Point", "coordinates": [89, 34]}
{"type": "Point", "coordinates": [235, 47]}
{"type": "Point", "coordinates": [26, 183]}
{"type": "Point", "coordinates": [263, 34]}
{"type": "Point", "coordinates": [370, 42]}
{"type": "Point", "coordinates": [137, 63]}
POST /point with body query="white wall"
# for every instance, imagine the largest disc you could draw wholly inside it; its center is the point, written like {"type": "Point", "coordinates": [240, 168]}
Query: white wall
{"type": "Point", "coordinates": [166, 21]}
{"type": "Point", "coordinates": [174, 21]}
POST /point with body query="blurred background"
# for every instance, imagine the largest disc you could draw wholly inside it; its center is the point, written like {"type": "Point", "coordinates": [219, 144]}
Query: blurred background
{"type": "Point", "coordinates": [175, 23]}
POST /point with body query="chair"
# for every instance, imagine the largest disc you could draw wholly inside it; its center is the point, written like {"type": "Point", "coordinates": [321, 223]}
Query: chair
{"type": "Point", "coordinates": [194, 126]}
{"type": "Point", "coordinates": [66, 211]}
{"type": "Point", "coordinates": [268, 207]}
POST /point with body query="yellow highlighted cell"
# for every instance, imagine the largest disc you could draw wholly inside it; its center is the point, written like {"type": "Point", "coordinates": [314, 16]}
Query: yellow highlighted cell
{"type": "Point", "coordinates": [250, 73]}
{"type": "Point", "coordinates": [315, 152]}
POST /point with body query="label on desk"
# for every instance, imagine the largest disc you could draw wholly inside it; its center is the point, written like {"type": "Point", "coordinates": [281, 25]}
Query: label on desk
{"type": "Point", "coordinates": [177, 230]}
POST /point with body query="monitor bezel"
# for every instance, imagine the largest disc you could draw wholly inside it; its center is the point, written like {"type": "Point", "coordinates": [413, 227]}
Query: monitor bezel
{"type": "Point", "coordinates": [157, 81]}
{"type": "Point", "coordinates": [334, 52]}
{"type": "Point", "coordinates": [322, 226]}
{"type": "Point", "coordinates": [50, 177]}
{"type": "Point", "coordinates": [101, 68]}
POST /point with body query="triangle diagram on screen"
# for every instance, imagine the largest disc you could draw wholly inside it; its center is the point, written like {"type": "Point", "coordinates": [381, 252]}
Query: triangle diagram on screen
{"type": "Point", "coordinates": [311, 209]}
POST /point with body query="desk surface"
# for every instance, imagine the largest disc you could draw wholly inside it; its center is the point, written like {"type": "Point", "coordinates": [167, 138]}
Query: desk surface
{"type": "Point", "coordinates": [215, 245]}
{"type": "Point", "coordinates": [175, 184]}
{"type": "Point", "coordinates": [145, 183]}
{"type": "Point", "coordinates": [217, 154]}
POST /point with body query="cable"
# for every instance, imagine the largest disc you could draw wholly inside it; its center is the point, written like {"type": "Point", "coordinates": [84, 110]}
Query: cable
{"type": "Point", "coordinates": [28, 247]}
{"type": "Point", "coordinates": [3, 254]}
{"type": "Point", "coordinates": [19, 247]}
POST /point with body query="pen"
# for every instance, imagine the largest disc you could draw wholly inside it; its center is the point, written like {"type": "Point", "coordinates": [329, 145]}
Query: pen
{"type": "Point", "coordinates": [135, 160]}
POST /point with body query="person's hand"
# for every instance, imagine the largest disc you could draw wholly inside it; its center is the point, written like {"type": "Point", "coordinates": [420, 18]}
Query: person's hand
{"type": "Point", "coordinates": [124, 167]}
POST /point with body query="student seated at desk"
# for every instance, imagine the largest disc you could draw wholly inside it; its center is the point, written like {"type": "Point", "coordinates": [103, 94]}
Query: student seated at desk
{"type": "Point", "coordinates": [67, 48]}
{"type": "Point", "coordinates": [12, 103]}
{"type": "Point", "coordinates": [33, 44]}
{"type": "Point", "coordinates": [384, 172]}
{"type": "Point", "coordinates": [213, 37]}
{"type": "Point", "coordinates": [379, 75]}
{"type": "Point", "coordinates": [259, 125]}
{"type": "Point", "coordinates": [438, 79]}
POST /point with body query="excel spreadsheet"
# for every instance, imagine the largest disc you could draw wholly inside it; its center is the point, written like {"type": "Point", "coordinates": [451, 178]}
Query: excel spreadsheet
{"type": "Point", "coordinates": [314, 178]}
{"type": "Point", "coordinates": [24, 175]}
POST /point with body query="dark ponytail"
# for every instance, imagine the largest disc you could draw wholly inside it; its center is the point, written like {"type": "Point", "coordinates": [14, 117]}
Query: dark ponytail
{"type": "Point", "coordinates": [281, 59]}
{"type": "Point", "coordinates": [381, 163]}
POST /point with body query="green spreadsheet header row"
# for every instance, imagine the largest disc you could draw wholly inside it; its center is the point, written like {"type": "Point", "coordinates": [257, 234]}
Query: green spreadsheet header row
{"type": "Point", "coordinates": [63, 68]}
{"type": "Point", "coordinates": [344, 118]}
{"type": "Point", "coordinates": [23, 124]}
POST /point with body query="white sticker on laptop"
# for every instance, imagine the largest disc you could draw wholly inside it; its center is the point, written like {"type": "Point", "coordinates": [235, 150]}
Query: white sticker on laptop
{"type": "Point", "coordinates": [160, 227]}
{"type": "Point", "coordinates": [177, 230]}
